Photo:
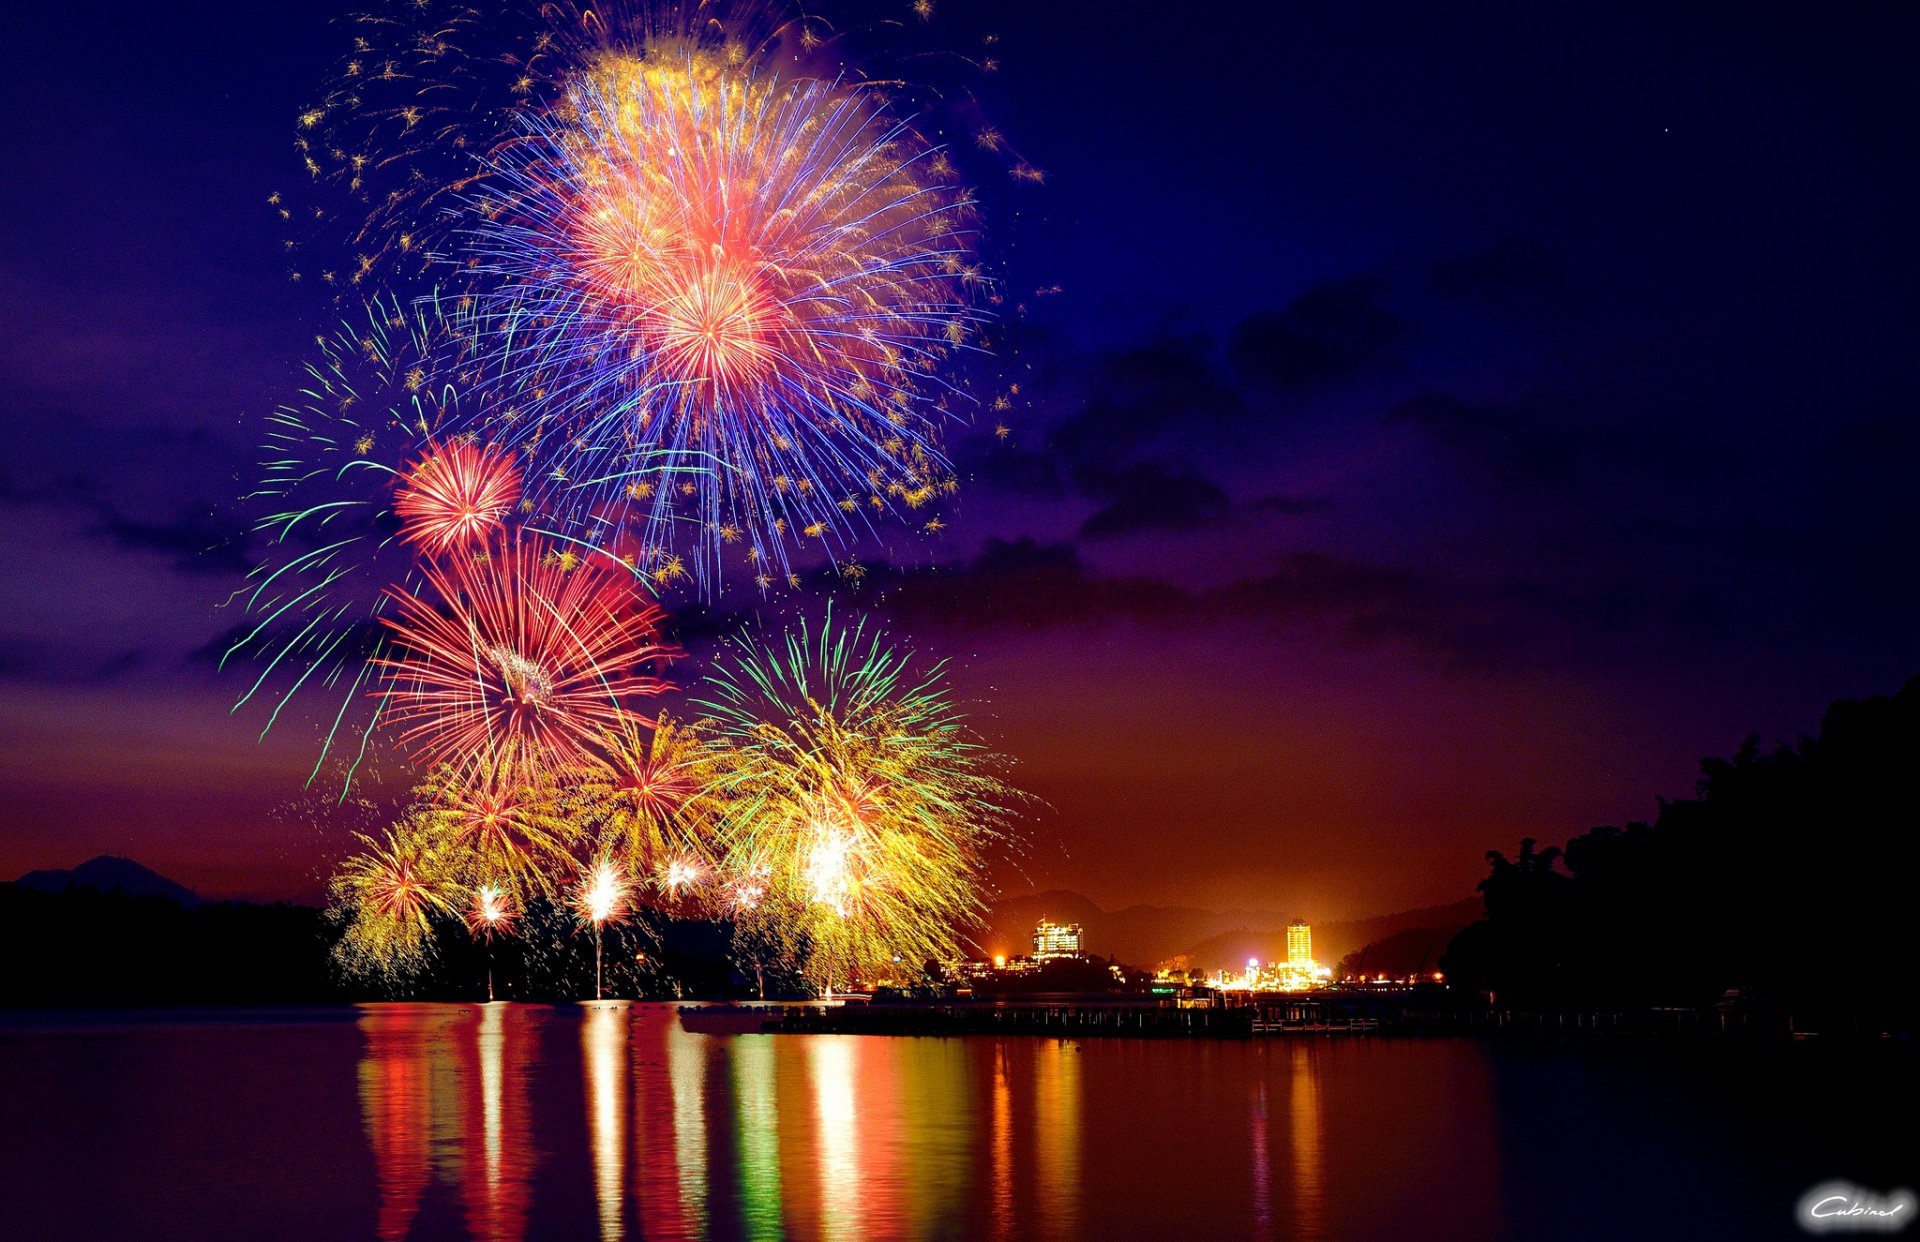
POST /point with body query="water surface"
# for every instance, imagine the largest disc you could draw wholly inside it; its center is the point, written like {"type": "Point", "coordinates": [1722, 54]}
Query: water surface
{"type": "Point", "coordinates": [613, 1122]}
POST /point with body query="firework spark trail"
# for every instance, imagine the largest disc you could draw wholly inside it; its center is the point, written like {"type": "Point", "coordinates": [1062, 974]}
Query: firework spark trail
{"type": "Point", "coordinates": [330, 463]}
{"type": "Point", "coordinates": [506, 827]}
{"type": "Point", "coordinates": [733, 288]}
{"type": "Point", "coordinates": [390, 892]}
{"type": "Point", "coordinates": [527, 660]}
{"type": "Point", "coordinates": [648, 801]}
{"type": "Point", "coordinates": [490, 913]}
{"type": "Point", "coordinates": [455, 496]}
{"type": "Point", "coordinates": [859, 807]}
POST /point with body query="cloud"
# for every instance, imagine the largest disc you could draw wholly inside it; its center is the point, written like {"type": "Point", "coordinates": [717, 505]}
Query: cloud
{"type": "Point", "coordinates": [29, 661]}
{"type": "Point", "coordinates": [195, 541]}
{"type": "Point", "coordinates": [1514, 445]}
{"type": "Point", "coordinates": [1458, 623]}
{"type": "Point", "coordinates": [1512, 270]}
{"type": "Point", "coordinates": [1331, 333]}
{"type": "Point", "coordinates": [1150, 497]}
{"type": "Point", "coordinates": [1021, 584]}
{"type": "Point", "coordinates": [1156, 391]}
{"type": "Point", "coordinates": [1291, 506]}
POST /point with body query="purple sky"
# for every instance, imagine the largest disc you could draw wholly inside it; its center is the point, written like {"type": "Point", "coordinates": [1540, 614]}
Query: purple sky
{"type": "Point", "coordinates": [1449, 428]}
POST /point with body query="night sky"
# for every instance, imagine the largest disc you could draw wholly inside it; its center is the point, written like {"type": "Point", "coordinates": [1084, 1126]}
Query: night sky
{"type": "Point", "coordinates": [1450, 425]}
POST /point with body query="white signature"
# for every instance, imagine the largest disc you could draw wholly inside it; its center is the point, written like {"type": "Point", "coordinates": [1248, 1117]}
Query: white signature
{"type": "Point", "coordinates": [1837, 1207]}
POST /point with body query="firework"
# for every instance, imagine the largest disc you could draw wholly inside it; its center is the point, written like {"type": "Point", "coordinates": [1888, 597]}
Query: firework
{"type": "Point", "coordinates": [859, 807]}
{"type": "Point", "coordinates": [507, 826]}
{"type": "Point", "coordinates": [601, 895]}
{"type": "Point", "coordinates": [599, 899]}
{"type": "Point", "coordinates": [530, 656]}
{"type": "Point", "coordinates": [647, 801]}
{"type": "Point", "coordinates": [456, 496]}
{"type": "Point", "coordinates": [330, 463]}
{"type": "Point", "coordinates": [728, 298]}
{"type": "Point", "coordinates": [426, 84]}
{"type": "Point", "coordinates": [489, 913]}
{"type": "Point", "coordinates": [389, 895]}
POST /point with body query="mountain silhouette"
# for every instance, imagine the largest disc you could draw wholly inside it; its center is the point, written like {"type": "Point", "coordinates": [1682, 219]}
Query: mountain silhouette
{"type": "Point", "coordinates": [1333, 941]}
{"type": "Point", "coordinates": [107, 874]}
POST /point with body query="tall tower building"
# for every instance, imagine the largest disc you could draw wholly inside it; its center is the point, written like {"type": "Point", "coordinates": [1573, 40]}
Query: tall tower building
{"type": "Point", "coordinates": [1300, 944]}
{"type": "Point", "coordinates": [1052, 939]}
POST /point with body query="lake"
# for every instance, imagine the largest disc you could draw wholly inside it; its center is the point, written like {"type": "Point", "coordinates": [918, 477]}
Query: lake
{"type": "Point", "coordinates": [612, 1121]}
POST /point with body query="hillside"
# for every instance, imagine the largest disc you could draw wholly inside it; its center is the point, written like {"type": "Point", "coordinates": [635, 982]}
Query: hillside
{"type": "Point", "coordinates": [110, 874]}
{"type": "Point", "coordinates": [1144, 935]}
{"type": "Point", "coordinates": [1332, 941]}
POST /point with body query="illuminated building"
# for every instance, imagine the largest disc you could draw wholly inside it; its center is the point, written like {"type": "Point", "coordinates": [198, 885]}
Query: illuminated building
{"type": "Point", "coordinates": [1051, 940]}
{"type": "Point", "coordinates": [1297, 974]}
{"type": "Point", "coordinates": [1300, 944]}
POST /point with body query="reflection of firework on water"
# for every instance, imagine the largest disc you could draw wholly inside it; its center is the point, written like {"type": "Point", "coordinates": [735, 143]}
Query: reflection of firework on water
{"type": "Point", "coordinates": [528, 658]}
{"type": "Point", "coordinates": [455, 496]}
{"type": "Point", "coordinates": [860, 799]}
{"type": "Point", "coordinates": [328, 472]}
{"type": "Point", "coordinates": [728, 298]}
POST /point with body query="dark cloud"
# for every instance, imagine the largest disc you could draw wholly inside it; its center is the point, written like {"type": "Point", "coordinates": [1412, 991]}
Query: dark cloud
{"type": "Point", "coordinates": [196, 541]}
{"type": "Point", "coordinates": [1158, 391]}
{"type": "Point", "coordinates": [1292, 506]}
{"type": "Point", "coordinates": [1148, 497]}
{"type": "Point", "coordinates": [1501, 274]}
{"type": "Point", "coordinates": [27, 661]}
{"type": "Point", "coordinates": [1331, 333]}
{"type": "Point", "coordinates": [1022, 584]}
{"type": "Point", "coordinates": [1515, 445]}
{"type": "Point", "coordinates": [1459, 624]}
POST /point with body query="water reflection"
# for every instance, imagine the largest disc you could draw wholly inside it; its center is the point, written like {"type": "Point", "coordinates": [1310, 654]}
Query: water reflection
{"type": "Point", "coordinates": [443, 1099]}
{"type": "Point", "coordinates": [1057, 1135]}
{"type": "Point", "coordinates": [603, 1042]}
{"type": "Point", "coordinates": [662, 1132]}
{"type": "Point", "coordinates": [1307, 1163]}
{"type": "Point", "coordinates": [393, 1100]}
{"type": "Point", "coordinates": [1262, 1165]}
{"type": "Point", "coordinates": [757, 1112]}
{"type": "Point", "coordinates": [687, 1072]}
{"type": "Point", "coordinates": [496, 1200]}
{"type": "Point", "coordinates": [834, 1108]}
{"type": "Point", "coordinates": [1002, 1146]}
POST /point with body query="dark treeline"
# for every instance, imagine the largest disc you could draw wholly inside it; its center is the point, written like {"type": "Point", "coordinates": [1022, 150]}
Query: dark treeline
{"type": "Point", "coordinates": [1787, 877]}
{"type": "Point", "coordinates": [84, 947]}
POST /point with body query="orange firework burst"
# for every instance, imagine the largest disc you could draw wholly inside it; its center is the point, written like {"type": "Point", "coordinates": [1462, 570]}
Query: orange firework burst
{"type": "Point", "coordinates": [458, 494]}
{"type": "Point", "coordinates": [397, 885]}
{"type": "Point", "coordinates": [648, 797]}
{"type": "Point", "coordinates": [508, 822]}
{"type": "Point", "coordinates": [391, 891]}
{"type": "Point", "coordinates": [528, 659]}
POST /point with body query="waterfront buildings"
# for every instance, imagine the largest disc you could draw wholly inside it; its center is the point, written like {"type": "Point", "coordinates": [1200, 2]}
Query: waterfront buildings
{"type": "Point", "coordinates": [1051, 940]}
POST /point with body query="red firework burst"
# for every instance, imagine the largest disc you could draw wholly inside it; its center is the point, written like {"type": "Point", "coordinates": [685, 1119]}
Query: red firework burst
{"type": "Point", "coordinates": [525, 661]}
{"type": "Point", "coordinates": [457, 494]}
